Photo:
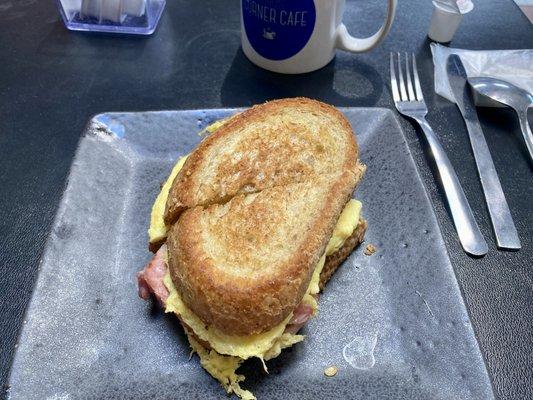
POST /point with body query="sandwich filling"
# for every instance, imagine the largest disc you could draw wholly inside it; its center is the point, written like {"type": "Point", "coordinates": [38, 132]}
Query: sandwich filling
{"type": "Point", "coordinates": [227, 352]}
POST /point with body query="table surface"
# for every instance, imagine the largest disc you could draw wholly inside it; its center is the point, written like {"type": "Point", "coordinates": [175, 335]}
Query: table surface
{"type": "Point", "coordinates": [52, 81]}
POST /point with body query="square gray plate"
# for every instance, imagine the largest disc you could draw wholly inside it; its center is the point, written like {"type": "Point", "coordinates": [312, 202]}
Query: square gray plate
{"type": "Point", "coordinates": [394, 323]}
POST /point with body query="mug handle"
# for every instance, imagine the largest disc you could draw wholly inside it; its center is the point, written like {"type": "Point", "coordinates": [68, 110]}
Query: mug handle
{"type": "Point", "coordinates": [345, 41]}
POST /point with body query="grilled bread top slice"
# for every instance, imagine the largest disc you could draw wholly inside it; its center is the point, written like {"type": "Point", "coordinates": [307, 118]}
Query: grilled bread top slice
{"type": "Point", "coordinates": [245, 265]}
{"type": "Point", "coordinates": [277, 143]}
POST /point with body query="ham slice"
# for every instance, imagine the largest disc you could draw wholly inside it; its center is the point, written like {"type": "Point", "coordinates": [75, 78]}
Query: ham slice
{"type": "Point", "coordinates": [300, 316]}
{"type": "Point", "coordinates": [150, 279]}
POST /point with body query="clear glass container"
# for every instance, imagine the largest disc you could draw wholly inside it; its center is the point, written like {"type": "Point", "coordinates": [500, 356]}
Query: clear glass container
{"type": "Point", "coordinates": [115, 16]}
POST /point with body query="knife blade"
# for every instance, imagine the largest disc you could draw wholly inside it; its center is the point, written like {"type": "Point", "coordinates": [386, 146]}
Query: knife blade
{"type": "Point", "coordinates": [500, 215]}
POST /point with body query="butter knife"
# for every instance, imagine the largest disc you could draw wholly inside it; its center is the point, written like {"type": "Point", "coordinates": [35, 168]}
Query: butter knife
{"type": "Point", "coordinates": [500, 215]}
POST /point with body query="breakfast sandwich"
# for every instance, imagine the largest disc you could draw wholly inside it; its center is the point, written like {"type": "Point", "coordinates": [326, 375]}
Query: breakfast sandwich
{"type": "Point", "coordinates": [250, 226]}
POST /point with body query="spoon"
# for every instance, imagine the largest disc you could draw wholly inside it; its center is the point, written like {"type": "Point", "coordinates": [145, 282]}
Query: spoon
{"type": "Point", "coordinates": [510, 95]}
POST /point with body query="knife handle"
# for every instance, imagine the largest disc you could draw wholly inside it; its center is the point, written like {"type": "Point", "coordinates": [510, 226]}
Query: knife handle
{"type": "Point", "coordinates": [500, 215]}
{"type": "Point", "coordinates": [468, 231]}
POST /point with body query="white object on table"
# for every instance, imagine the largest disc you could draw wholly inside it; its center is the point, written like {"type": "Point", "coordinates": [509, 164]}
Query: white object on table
{"type": "Point", "coordinates": [509, 65]}
{"type": "Point", "coordinates": [307, 43]}
{"type": "Point", "coordinates": [446, 17]}
{"type": "Point", "coordinates": [112, 10]}
{"type": "Point", "coordinates": [90, 8]}
{"type": "Point", "coordinates": [134, 8]}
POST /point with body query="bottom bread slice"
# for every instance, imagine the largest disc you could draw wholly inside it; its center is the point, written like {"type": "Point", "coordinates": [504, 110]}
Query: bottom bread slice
{"type": "Point", "coordinates": [335, 260]}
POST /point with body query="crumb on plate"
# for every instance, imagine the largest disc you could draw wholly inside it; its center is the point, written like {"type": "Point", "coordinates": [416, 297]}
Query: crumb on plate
{"type": "Point", "coordinates": [370, 249]}
{"type": "Point", "coordinates": [331, 371]}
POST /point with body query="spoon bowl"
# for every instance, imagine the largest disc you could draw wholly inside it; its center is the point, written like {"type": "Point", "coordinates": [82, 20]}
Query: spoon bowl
{"type": "Point", "coordinates": [510, 95]}
{"type": "Point", "coordinates": [502, 91]}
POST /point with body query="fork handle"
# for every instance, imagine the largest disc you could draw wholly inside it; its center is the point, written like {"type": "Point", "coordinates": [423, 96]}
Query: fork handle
{"type": "Point", "coordinates": [468, 231]}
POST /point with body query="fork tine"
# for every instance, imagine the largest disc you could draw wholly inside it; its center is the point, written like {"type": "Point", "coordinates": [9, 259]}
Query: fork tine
{"type": "Point", "coordinates": [400, 79]}
{"type": "Point", "coordinates": [419, 95]}
{"type": "Point", "coordinates": [393, 82]}
{"type": "Point", "coordinates": [410, 89]}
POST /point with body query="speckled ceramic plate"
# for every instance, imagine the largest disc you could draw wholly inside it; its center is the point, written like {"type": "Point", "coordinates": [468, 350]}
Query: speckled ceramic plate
{"type": "Point", "coordinates": [394, 323]}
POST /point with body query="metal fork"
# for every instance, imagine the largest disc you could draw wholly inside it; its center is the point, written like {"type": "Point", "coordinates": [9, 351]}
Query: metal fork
{"type": "Point", "coordinates": [409, 101]}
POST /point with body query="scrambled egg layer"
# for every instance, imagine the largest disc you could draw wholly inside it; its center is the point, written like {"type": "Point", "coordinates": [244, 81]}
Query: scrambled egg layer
{"type": "Point", "coordinates": [158, 230]}
{"type": "Point", "coordinates": [222, 368]}
{"type": "Point", "coordinates": [229, 351]}
{"type": "Point", "coordinates": [348, 221]}
{"type": "Point", "coordinates": [239, 346]}
{"type": "Point", "coordinates": [217, 124]}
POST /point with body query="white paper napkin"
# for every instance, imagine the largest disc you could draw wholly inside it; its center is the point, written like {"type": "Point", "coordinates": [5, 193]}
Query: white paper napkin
{"type": "Point", "coordinates": [515, 66]}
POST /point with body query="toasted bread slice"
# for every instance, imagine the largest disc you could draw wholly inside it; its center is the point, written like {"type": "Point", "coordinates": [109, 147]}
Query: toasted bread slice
{"type": "Point", "coordinates": [333, 262]}
{"type": "Point", "coordinates": [244, 266]}
{"type": "Point", "coordinates": [277, 143]}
